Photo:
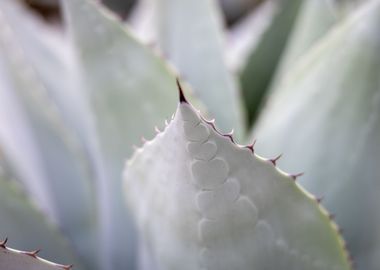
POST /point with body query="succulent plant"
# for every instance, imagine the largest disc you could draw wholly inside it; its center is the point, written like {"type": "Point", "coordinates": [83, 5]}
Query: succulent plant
{"type": "Point", "coordinates": [302, 77]}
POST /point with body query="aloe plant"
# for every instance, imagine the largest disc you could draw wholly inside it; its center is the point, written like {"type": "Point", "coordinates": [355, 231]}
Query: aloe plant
{"type": "Point", "coordinates": [77, 101]}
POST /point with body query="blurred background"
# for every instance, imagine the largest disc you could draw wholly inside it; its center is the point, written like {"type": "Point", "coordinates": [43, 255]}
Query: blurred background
{"type": "Point", "coordinates": [80, 84]}
{"type": "Point", "coordinates": [233, 10]}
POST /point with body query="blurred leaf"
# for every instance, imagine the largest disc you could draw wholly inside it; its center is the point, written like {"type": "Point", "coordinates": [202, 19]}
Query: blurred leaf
{"type": "Point", "coordinates": [235, 9]}
{"type": "Point", "coordinates": [34, 79]}
{"type": "Point", "coordinates": [27, 228]}
{"type": "Point", "coordinates": [11, 259]}
{"type": "Point", "coordinates": [247, 34]}
{"type": "Point", "coordinates": [326, 121]}
{"type": "Point", "coordinates": [262, 63]}
{"type": "Point", "coordinates": [130, 90]}
{"type": "Point", "coordinates": [190, 33]}
{"type": "Point", "coordinates": [315, 19]}
{"type": "Point", "coordinates": [203, 202]}
{"type": "Point", "coordinates": [121, 7]}
{"type": "Point", "coordinates": [48, 3]}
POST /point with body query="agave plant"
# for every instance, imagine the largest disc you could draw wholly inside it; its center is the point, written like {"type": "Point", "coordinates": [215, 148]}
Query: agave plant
{"type": "Point", "coordinates": [302, 77]}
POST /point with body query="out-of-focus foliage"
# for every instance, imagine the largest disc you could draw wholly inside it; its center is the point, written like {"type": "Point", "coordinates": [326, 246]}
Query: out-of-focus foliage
{"type": "Point", "coordinates": [171, 24]}
{"type": "Point", "coordinates": [325, 117]}
{"type": "Point", "coordinates": [76, 97]}
{"type": "Point", "coordinates": [266, 54]}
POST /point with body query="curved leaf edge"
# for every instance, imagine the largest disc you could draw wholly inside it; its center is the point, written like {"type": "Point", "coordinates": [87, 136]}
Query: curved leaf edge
{"type": "Point", "coordinates": [150, 48]}
{"type": "Point", "coordinates": [292, 178]}
{"type": "Point", "coordinates": [6, 251]}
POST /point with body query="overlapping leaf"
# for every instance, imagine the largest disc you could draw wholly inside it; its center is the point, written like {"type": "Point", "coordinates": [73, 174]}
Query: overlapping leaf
{"type": "Point", "coordinates": [203, 202]}
{"type": "Point", "coordinates": [130, 90]}
{"type": "Point", "coordinates": [196, 48]}
{"type": "Point", "coordinates": [261, 65]}
{"type": "Point", "coordinates": [54, 167]}
{"type": "Point", "coordinates": [11, 259]}
{"type": "Point", "coordinates": [315, 19]}
{"type": "Point", "coordinates": [326, 121]}
{"type": "Point", "coordinates": [26, 227]}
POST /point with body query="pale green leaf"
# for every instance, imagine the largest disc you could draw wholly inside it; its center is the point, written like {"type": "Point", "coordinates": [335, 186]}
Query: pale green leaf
{"type": "Point", "coordinates": [263, 60]}
{"type": "Point", "coordinates": [190, 34]}
{"type": "Point", "coordinates": [246, 34]}
{"type": "Point", "coordinates": [34, 79]}
{"type": "Point", "coordinates": [12, 259]}
{"type": "Point", "coordinates": [315, 19]}
{"type": "Point", "coordinates": [325, 118]}
{"type": "Point", "coordinates": [27, 228]}
{"type": "Point", "coordinates": [130, 90]}
{"type": "Point", "coordinates": [203, 202]}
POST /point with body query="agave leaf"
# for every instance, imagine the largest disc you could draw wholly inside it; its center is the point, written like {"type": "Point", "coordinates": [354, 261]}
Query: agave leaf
{"type": "Point", "coordinates": [247, 33]}
{"type": "Point", "coordinates": [130, 90]}
{"type": "Point", "coordinates": [315, 19]}
{"type": "Point", "coordinates": [326, 121]}
{"type": "Point", "coordinates": [203, 202]}
{"type": "Point", "coordinates": [32, 78]}
{"type": "Point", "coordinates": [196, 48]}
{"type": "Point", "coordinates": [12, 259]}
{"type": "Point", "coordinates": [26, 227]}
{"type": "Point", "coordinates": [261, 65]}
{"type": "Point", "coordinates": [16, 134]}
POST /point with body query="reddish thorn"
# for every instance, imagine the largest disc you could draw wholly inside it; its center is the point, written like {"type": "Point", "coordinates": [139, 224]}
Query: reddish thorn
{"type": "Point", "coordinates": [340, 231]}
{"type": "Point", "coordinates": [2, 243]}
{"type": "Point", "coordinates": [319, 200]}
{"type": "Point", "coordinates": [211, 123]}
{"type": "Point", "coordinates": [251, 146]}
{"type": "Point", "coordinates": [68, 267]}
{"type": "Point", "coordinates": [32, 253]}
{"type": "Point", "coordinates": [274, 160]}
{"type": "Point", "coordinates": [230, 136]}
{"type": "Point", "coordinates": [332, 216]}
{"type": "Point", "coordinates": [295, 176]}
{"type": "Point", "coordinates": [182, 97]}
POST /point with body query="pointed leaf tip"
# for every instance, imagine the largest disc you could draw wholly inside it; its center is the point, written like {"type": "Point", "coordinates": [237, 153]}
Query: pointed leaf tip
{"type": "Point", "coordinates": [220, 213]}
{"type": "Point", "coordinates": [182, 98]}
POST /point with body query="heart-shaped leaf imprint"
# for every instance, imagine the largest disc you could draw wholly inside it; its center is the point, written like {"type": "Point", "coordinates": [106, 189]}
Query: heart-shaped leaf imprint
{"type": "Point", "coordinates": [209, 174]}
{"type": "Point", "coordinates": [198, 133]}
{"type": "Point", "coordinates": [202, 151]}
{"type": "Point", "coordinates": [215, 203]}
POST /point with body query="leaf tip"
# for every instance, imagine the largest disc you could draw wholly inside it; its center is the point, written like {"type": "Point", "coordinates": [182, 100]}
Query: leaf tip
{"type": "Point", "coordinates": [182, 98]}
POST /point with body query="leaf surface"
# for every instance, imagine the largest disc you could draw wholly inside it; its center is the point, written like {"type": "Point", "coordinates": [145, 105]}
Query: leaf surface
{"type": "Point", "coordinates": [41, 146]}
{"type": "Point", "coordinates": [203, 202]}
{"type": "Point", "coordinates": [27, 228]}
{"type": "Point", "coordinates": [130, 90]}
{"type": "Point", "coordinates": [190, 34]}
{"type": "Point", "coordinates": [11, 259]}
{"type": "Point", "coordinates": [262, 62]}
{"type": "Point", "coordinates": [325, 118]}
{"type": "Point", "coordinates": [315, 19]}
